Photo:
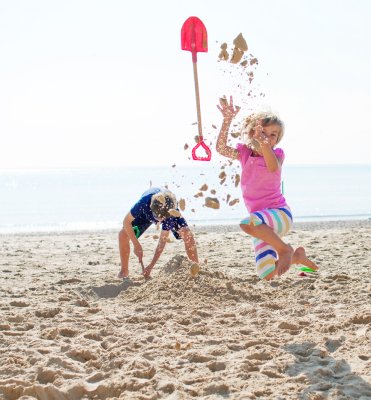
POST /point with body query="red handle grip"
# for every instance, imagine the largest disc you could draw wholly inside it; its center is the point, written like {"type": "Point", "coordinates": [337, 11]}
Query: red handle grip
{"type": "Point", "coordinates": [202, 144]}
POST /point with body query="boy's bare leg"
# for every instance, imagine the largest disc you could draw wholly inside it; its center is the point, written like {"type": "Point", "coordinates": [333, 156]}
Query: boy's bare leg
{"type": "Point", "coordinates": [300, 257]}
{"type": "Point", "coordinates": [284, 251]}
{"type": "Point", "coordinates": [124, 247]}
{"type": "Point", "coordinates": [189, 244]}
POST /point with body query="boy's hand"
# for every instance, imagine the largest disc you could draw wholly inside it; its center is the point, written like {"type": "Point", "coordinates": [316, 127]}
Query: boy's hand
{"type": "Point", "coordinates": [147, 272]}
{"type": "Point", "coordinates": [229, 111]}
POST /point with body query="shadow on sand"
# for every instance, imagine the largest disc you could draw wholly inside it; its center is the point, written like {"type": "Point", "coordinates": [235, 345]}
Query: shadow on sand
{"type": "Point", "coordinates": [110, 291]}
{"type": "Point", "coordinates": [326, 376]}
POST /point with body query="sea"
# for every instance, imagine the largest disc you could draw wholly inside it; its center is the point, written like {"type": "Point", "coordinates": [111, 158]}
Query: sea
{"type": "Point", "coordinates": [78, 199]}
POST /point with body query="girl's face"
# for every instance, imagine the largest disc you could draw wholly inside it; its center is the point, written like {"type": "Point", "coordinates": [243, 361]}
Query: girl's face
{"type": "Point", "coordinates": [272, 132]}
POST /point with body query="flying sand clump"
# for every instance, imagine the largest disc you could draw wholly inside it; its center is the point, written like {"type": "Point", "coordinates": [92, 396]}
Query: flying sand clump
{"type": "Point", "coordinates": [240, 46]}
{"type": "Point", "coordinates": [182, 204]}
{"type": "Point", "coordinates": [238, 66]}
{"type": "Point", "coordinates": [212, 202]}
{"type": "Point", "coordinates": [174, 213]}
{"type": "Point", "coordinates": [239, 49]}
{"type": "Point", "coordinates": [247, 63]}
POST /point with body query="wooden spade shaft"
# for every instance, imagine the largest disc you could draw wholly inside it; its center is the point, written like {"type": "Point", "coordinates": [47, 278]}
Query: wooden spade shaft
{"type": "Point", "coordinates": [195, 75]}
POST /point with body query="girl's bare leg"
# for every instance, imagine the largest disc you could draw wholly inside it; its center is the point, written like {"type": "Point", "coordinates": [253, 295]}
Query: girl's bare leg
{"type": "Point", "coordinates": [124, 247]}
{"type": "Point", "coordinates": [284, 251]}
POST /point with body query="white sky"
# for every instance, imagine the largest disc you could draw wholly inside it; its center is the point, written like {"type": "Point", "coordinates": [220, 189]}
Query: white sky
{"type": "Point", "coordinates": [99, 83]}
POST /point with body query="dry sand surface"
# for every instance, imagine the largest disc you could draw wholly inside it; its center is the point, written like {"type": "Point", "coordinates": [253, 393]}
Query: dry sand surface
{"type": "Point", "coordinates": [69, 329]}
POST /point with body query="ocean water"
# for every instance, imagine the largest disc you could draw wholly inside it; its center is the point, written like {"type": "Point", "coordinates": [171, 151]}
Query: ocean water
{"type": "Point", "coordinates": [99, 198]}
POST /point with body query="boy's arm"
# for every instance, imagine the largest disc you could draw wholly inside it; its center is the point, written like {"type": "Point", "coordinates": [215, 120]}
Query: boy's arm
{"type": "Point", "coordinates": [138, 251]}
{"type": "Point", "coordinates": [159, 249]}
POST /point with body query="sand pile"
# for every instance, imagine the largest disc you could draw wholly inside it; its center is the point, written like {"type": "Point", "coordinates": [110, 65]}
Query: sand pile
{"type": "Point", "coordinates": [174, 284]}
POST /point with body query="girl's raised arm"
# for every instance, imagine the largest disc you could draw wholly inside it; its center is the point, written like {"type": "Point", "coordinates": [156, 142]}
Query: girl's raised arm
{"type": "Point", "coordinates": [229, 112]}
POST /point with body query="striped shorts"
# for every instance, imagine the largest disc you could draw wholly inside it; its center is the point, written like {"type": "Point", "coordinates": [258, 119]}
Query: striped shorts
{"type": "Point", "coordinates": [280, 220]}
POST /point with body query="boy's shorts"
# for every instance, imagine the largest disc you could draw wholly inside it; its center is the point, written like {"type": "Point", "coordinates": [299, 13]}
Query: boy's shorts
{"type": "Point", "coordinates": [139, 227]}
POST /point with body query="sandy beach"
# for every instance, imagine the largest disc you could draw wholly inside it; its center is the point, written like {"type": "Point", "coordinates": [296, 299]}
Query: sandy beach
{"type": "Point", "coordinates": [69, 329]}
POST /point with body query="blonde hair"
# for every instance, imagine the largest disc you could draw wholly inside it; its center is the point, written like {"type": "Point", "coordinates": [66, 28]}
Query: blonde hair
{"type": "Point", "coordinates": [266, 118]}
{"type": "Point", "coordinates": [162, 203]}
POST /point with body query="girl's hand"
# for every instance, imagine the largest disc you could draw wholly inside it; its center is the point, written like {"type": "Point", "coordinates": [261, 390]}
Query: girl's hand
{"type": "Point", "coordinates": [259, 134]}
{"type": "Point", "coordinates": [229, 111]}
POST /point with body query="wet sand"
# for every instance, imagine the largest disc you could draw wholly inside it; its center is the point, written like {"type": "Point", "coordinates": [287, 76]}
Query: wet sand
{"type": "Point", "coordinates": [69, 329]}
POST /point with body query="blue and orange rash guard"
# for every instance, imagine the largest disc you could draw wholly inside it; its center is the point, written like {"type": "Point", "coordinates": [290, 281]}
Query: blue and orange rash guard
{"type": "Point", "coordinates": [144, 218]}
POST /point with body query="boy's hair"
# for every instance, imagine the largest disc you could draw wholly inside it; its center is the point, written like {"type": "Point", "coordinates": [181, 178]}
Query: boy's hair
{"type": "Point", "coordinates": [162, 202]}
{"type": "Point", "coordinates": [267, 118]}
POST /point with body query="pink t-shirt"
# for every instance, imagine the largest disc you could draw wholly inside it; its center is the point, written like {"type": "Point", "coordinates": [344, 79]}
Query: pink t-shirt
{"type": "Point", "coordinates": [260, 188]}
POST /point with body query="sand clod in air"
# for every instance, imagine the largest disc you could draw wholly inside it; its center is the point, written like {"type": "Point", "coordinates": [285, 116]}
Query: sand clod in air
{"type": "Point", "coordinates": [240, 46]}
{"type": "Point", "coordinates": [212, 202]}
{"type": "Point", "coordinates": [222, 175]}
{"type": "Point", "coordinates": [182, 204]}
{"type": "Point", "coordinates": [240, 42]}
{"type": "Point", "coordinates": [223, 55]}
{"type": "Point", "coordinates": [160, 197]}
{"type": "Point", "coordinates": [236, 55]}
{"type": "Point", "coordinates": [204, 187]}
{"type": "Point", "coordinates": [174, 213]}
{"type": "Point", "coordinates": [223, 100]}
{"type": "Point", "coordinates": [233, 202]}
{"type": "Point", "coordinates": [237, 180]}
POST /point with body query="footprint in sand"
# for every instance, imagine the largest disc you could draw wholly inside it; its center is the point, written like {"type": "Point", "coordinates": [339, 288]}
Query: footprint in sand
{"type": "Point", "coordinates": [93, 336]}
{"type": "Point", "coordinates": [47, 313]}
{"type": "Point", "coordinates": [68, 332]}
{"type": "Point", "coordinates": [19, 303]}
{"type": "Point", "coordinates": [361, 319]}
{"type": "Point", "coordinates": [82, 355]}
{"type": "Point", "coordinates": [49, 334]}
{"type": "Point", "coordinates": [333, 345]}
{"type": "Point", "coordinates": [260, 356]}
{"type": "Point", "coordinates": [220, 389]}
{"type": "Point", "coordinates": [215, 366]}
{"type": "Point", "coordinates": [292, 328]}
{"type": "Point", "coordinates": [199, 358]}
{"type": "Point", "coordinates": [45, 376]}
{"type": "Point", "coordinates": [165, 386]}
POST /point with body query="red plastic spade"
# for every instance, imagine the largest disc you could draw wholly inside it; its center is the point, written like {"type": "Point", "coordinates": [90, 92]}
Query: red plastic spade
{"type": "Point", "coordinates": [194, 39]}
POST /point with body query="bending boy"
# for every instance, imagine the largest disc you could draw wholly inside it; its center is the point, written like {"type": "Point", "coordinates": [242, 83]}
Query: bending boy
{"type": "Point", "coordinates": [155, 206]}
